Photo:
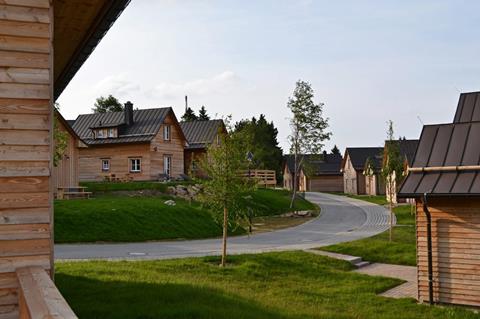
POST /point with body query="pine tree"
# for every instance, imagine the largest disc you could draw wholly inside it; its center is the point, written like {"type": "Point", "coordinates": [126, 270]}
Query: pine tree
{"type": "Point", "coordinates": [335, 150]}
{"type": "Point", "coordinates": [189, 115]}
{"type": "Point", "coordinates": [202, 114]}
{"type": "Point", "coordinates": [107, 104]}
{"type": "Point", "coordinates": [309, 127]}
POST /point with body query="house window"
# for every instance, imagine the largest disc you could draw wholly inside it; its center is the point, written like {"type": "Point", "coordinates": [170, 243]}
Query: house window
{"type": "Point", "coordinates": [100, 134]}
{"type": "Point", "coordinates": [166, 132]}
{"type": "Point", "coordinates": [135, 165]}
{"type": "Point", "coordinates": [111, 132]}
{"type": "Point", "coordinates": [167, 165]}
{"type": "Point", "coordinates": [105, 165]}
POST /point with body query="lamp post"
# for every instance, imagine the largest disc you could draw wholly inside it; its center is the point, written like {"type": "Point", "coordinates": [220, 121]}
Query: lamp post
{"type": "Point", "coordinates": [250, 160]}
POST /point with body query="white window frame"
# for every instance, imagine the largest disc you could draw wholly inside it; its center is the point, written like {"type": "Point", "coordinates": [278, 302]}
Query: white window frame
{"type": "Point", "coordinates": [111, 132]}
{"type": "Point", "coordinates": [134, 166]}
{"type": "Point", "coordinates": [105, 168]}
{"type": "Point", "coordinates": [167, 164]}
{"type": "Point", "coordinates": [100, 133]}
{"type": "Point", "coordinates": [167, 130]}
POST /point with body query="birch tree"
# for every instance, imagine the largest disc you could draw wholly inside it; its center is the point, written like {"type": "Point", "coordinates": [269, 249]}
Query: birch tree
{"type": "Point", "coordinates": [308, 128]}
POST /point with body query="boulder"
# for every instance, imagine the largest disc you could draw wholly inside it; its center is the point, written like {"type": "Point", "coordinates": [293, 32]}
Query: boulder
{"type": "Point", "coordinates": [170, 202]}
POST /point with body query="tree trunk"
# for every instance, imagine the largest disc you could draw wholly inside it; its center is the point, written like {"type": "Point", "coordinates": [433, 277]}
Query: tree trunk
{"type": "Point", "coordinates": [225, 231]}
{"type": "Point", "coordinates": [294, 193]}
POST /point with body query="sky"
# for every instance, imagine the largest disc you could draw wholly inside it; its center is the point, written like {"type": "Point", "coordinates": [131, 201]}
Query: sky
{"type": "Point", "coordinates": [367, 61]}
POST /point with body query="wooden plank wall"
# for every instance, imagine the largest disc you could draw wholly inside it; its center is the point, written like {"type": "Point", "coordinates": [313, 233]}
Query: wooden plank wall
{"type": "Point", "coordinates": [456, 250]}
{"type": "Point", "coordinates": [25, 135]}
{"type": "Point", "coordinates": [65, 174]}
{"type": "Point", "coordinates": [326, 183]}
{"type": "Point", "coordinates": [175, 148]}
{"type": "Point", "coordinates": [90, 161]}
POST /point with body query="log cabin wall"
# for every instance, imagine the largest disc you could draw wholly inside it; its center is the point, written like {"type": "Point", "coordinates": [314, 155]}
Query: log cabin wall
{"type": "Point", "coordinates": [350, 177]}
{"type": "Point", "coordinates": [159, 148]}
{"type": "Point", "coordinates": [25, 135]}
{"type": "Point", "coordinates": [65, 174]}
{"type": "Point", "coordinates": [456, 250]}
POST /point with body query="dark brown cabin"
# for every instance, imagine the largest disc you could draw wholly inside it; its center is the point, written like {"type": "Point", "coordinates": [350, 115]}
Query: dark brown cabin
{"type": "Point", "coordinates": [445, 180]}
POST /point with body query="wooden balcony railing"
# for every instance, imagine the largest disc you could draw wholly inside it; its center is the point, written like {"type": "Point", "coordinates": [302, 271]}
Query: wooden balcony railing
{"type": "Point", "coordinates": [39, 298]}
{"type": "Point", "coordinates": [265, 177]}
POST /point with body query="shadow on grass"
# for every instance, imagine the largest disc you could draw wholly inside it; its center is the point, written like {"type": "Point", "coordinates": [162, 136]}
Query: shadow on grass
{"type": "Point", "coordinates": [135, 300]}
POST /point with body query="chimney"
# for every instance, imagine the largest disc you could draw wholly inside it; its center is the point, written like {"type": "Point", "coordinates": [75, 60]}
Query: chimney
{"type": "Point", "coordinates": [128, 113]}
{"type": "Point", "coordinates": [186, 103]}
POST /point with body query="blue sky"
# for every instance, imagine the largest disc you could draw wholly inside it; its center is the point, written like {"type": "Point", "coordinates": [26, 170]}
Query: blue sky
{"type": "Point", "coordinates": [368, 61]}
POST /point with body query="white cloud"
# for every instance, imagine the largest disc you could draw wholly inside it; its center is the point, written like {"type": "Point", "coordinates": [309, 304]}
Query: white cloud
{"type": "Point", "coordinates": [118, 85]}
{"type": "Point", "coordinates": [217, 84]}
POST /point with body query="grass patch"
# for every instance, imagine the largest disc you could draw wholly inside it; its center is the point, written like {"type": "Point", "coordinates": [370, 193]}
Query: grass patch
{"type": "Point", "coordinates": [288, 285]}
{"type": "Point", "coordinates": [96, 187]}
{"type": "Point", "coordinates": [401, 251]}
{"type": "Point", "coordinates": [131, 219]}
{"type": "Point", "coordinates": [377, 199]}
{"type": "Point", "coordinates": [112, 218]}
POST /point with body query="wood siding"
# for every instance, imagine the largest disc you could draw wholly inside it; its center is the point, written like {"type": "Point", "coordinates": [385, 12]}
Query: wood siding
{"type": "Point", "coordinates": [196, 155]}
{"type": "Point", "coordinates": [325, 183]}
{"type": "Point", "coordinates": [65, 174]}
{"type": "Point", "coordinates": [25, 150]}
{"type": "Point", "coordinates": [456, 250]}
{"type": "Point", "coordinates": [119, 155]}
{"type": "Point", "coordinates": [353, 181]}
{"type": "Point", "coordinates": [287, 178]}
{"type": "Point", "coordinates": [174, 148]}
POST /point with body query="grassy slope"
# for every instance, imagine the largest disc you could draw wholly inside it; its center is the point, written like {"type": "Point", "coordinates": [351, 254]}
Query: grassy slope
{"type": "Point", "coordinates": [130, 186]}
{"type": "Point", "coordinates": [133, 219]}
{"type": "Point", "coordinates": [274, 202]}
{"type": "Point", "coordinates": [289, 285]}
{"type": "Point", "coordinates": [402, 250]}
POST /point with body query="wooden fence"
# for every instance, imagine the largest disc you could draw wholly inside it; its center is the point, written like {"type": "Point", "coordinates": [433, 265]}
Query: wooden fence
{"type": "Point", "coordinates": [266, 178]}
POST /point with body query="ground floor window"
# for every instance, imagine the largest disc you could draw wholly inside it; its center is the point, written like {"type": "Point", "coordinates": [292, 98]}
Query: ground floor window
{"type": "Point", "coordinates": [105, 165]}
{"type": "Point", "coordinates": [135, 165]}
{"type": "Point", "coordinates": [167, 165]}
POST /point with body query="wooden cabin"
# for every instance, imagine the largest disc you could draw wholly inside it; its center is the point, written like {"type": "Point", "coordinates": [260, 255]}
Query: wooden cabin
{"type": "Point", "coordinates": [146, 144]}
{"type": "Point", "coordinates": [42, 45]}
{"type": "Point", "coordinates": [445, 181]}
{"type": "Point", "coordinates": [353, 168]}
{"type": "Point", "coordinates": [318, 173]}
{"type": "Point", "coordinates": [65, 173]}
{"type": "Point", "coordinates": [406, 149]}
{"type": "Point", "coordinates": [199, 135]}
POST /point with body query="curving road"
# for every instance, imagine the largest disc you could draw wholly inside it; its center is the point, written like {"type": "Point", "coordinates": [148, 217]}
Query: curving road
{"type": "Point", "coordinates": [342, 219]}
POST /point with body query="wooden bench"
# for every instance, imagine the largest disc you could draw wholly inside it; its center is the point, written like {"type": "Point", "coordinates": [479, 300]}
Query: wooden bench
{"type": "Point", "coordinates": [39, 298]}
{"type": "Point", "coordinates": [73, 192]}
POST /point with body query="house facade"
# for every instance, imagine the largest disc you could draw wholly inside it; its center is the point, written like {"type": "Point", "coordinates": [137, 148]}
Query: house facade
{"type": "Point", "coordinates": [199, 135]}
{"type": "Point", "coordinates": [137, 145]}
{"type": "Point", "coordinates": [67, 169]}
{"type": "Point", "coordinates": [318, 173]}
{"type": "Point", "coordinates": [353, 168]}
{"type": "Point", "coordinates": [445, 181]}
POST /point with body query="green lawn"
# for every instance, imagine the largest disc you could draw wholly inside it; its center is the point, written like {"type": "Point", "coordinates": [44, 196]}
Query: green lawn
{"type": "Point", "coordinates": [96, 187]}
{"type": "Point", "coordinates": [402, 250]}
{"type": "Point", "coordinates": [377, 199]}
{"type": "Point", "coordinates": [288, 285]}
{"type": "Point", "coordinates": [113, 218]}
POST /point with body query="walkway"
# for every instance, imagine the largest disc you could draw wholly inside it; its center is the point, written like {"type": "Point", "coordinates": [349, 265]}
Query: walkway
{"type": "Point", "coordinates": [342, 219]}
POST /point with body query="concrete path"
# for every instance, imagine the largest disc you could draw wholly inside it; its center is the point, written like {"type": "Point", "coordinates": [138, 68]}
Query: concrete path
{"type": "Point", "coordinates": [407, 273]}
{"type": "Point", "coordinates": [342, 219]}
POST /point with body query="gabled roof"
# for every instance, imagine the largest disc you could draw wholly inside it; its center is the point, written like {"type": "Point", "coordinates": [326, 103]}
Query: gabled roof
{"type": "Point", "coordinates": [201, 133]}
{"type": "Point", "coordinates": [407, 149]}
{"type": "Point", "coordinates": [67, 125]}
{"type": "Point", "coordinates": [468, 109]}
{"type": "Point", "coordinates": [146, 124]}
{"type": "Point", "coordinates": [359, 156]}
{"type": "Point", "coordinates": [316, 165]}
{"type": "Point", "coordinates": [447, 147]}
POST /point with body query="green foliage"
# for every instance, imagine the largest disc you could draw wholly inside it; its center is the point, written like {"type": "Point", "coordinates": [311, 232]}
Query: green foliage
{"type": "Point", "coordinates": [287, 285]}
{"type": "Point", "coordinates": [369, 167]}
{"type": "Point", "coordinates": [60, 139]}
{"type": "Point", "coordinates": [189, 115]}
{"type": "Point", "coordinates": [202, 114]}
{"type": "Point", "coordinates": [263, 143]}
{"type": "Point", "coordinates": [107, 104]}
{"type": "Point", "coordinates": [393, 163]}
{"type": "Point", "coordinates": [335, 150]}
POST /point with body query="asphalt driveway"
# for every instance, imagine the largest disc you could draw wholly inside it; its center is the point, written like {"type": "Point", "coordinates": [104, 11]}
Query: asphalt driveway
{"type": "Point", "coordinates": [342, 219]}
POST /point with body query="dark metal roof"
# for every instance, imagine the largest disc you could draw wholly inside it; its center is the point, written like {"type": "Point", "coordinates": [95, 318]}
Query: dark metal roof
{"type": "Point", "coordinates": [468, 109]}
{"type": "Point", "coordinates": [201, 133]}
{"type": "Point", "coordinates": [456, 144]}
{"type": "Point", "coordinates": [104, 21]}
{"type": "Point", "coordinates": [70, 122]}
{"type": "Point", "coordinates": [407, 149]}
{"type": "Point", "coordinates": [359, 156]}
{"type": "Point", "coordinates": [323, 164]}
{"type": "Point", "coordinates": [146, 124]}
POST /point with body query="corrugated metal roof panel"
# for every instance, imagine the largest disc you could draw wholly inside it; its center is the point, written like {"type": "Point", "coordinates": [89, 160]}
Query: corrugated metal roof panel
{"type": "Point", "coordinates": [468, 109]}
{"type": "Point", "coordinates": [201, 133]}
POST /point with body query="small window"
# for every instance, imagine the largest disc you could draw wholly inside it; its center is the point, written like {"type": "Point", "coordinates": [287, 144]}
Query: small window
{"type": "Point", "coordinates": [135, 165]}
{"type": "Point", "coordinates": [194, 165]}
{"type": "Point", "coordinates": [167, 165]}
{"type": "Point", "coordinates": [100, 134]}
{"type": "Point", "coordinates": [111, 132]}
{"type": "Point", "coordinates": [105, 165]}
{"type": "Point", "coordinates": [166, 132]}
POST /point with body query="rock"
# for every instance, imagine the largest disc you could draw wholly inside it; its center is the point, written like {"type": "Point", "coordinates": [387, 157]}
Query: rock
{"type": "Point", "coordinates": [304, 213]}
{"type": "Point", "coordinates": [171, 190]}
{"type": "Point", "coordinates": [170, 202]}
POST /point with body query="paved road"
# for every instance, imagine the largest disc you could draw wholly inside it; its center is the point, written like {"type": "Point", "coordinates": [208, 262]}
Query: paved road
{"type": "Point", "coordinates": [342, 219]}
